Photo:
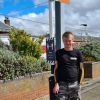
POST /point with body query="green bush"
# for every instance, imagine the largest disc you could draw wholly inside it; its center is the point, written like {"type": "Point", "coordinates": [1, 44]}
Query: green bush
{"type": "Point", "coordinates": [12, 65]}
{"type": "Point", "coordinates": [23, 43]}
{"type": "Point", "coordinates": [91, 51]}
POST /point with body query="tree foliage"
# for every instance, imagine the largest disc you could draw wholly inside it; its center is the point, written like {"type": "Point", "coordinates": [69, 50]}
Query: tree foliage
{"type": "Point", "coordinates": [91, 51]}
{"type": "Point", "coordinates": [23, 43]}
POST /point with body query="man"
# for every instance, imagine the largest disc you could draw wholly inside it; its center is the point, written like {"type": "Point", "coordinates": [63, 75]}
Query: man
{"type": "Point", "coordinates": [68, 70]}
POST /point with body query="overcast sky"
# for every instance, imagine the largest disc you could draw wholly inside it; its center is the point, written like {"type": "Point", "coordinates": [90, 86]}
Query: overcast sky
{"type": "Point", "coordinates": [77, 12]}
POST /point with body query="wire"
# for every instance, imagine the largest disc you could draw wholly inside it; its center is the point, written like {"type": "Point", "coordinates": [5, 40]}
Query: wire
{"type": "Point", "coordinates": [26, 19]}
{"type": "Point", "coordinates": [41, 4]}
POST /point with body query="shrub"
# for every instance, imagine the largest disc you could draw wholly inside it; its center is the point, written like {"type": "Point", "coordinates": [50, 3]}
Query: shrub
{"type": "Point", "coordinates": [91, 51]}
{"type": "Point", "coordinates": [23, 43]}
{"type": "Point", "coordinates": [12, 65]}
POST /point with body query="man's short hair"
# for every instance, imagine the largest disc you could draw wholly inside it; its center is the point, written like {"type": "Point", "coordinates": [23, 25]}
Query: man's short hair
{"type": "Point", "coordinates": [67, 34]}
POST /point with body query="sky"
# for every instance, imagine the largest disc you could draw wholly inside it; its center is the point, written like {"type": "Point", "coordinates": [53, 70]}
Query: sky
{"type": "Point", "coordinates": [33, 15]}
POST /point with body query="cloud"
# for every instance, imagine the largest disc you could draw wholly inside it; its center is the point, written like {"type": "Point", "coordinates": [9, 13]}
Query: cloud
{"type": "Point", "coordinates": [30, 24]}
{"type": "Point", "coordinates": [14, 13]}
{"type": "Point", "coordinates": [76, 13]}
{"type": "Point", "coordinates": [79, 12]}
{"type": "Point", "coordinates": [84, 7]}
{"type": "Point", "coordinates": [2, 18]}
{"type": "Point", "coordinates": [83, 12]}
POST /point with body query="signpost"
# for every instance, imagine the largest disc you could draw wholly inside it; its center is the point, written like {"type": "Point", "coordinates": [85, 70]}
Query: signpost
{"type": "Point", "coordinates": [50, 51]}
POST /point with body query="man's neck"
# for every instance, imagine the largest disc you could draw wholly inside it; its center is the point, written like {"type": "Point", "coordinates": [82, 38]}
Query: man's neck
{"type": "Point", "coordinates": [68, 49]}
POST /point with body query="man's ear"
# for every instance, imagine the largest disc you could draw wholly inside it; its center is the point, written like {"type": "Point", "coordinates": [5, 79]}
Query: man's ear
{"type": "Point", "coordinates": [74, 42]}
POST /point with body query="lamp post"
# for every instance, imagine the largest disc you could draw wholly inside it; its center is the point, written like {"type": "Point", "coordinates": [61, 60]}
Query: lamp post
{"type": "Point", "coordinates": [85, 26]}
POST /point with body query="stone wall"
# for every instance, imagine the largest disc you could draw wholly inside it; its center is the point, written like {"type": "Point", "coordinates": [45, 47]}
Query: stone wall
{"type": "Point", "coordinates": [26, 88]}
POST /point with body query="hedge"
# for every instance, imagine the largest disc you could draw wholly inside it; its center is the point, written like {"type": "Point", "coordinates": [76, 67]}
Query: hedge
{"type": "Point", "coordinates": [90, 51]}
{"type": "Point", "coordinates": [13, 66]}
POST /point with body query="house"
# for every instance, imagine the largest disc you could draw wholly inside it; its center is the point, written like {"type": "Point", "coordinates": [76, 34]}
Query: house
{"type": "Point", "coordinates": [4, 29]}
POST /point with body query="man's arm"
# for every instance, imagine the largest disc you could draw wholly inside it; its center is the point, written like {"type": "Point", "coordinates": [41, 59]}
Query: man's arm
{"type": "Point", "coordinates": [81, 68]}
{"type": "Point", "coordinates": [81, 73]}
{"type": "Point", "coordinates": [55, 72]}
{"type": "Point", "coordinates": [56, 86]}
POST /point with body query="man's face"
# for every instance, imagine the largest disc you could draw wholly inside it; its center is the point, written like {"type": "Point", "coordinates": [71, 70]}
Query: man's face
{"type": "Point", "coordinates": [68, 42]}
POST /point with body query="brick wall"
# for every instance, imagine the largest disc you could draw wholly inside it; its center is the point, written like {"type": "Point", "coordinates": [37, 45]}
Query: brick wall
{"type": "Point", "coordinates": [92, 70]}
{"type": "Point", "coordinates": [26, 89]}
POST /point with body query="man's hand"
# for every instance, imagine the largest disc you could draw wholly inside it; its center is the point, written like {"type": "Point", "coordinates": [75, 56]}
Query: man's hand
{"type": "Point", "coordinates": [81, 83]}
{"type": "Point", "coordinates": [56, 88]}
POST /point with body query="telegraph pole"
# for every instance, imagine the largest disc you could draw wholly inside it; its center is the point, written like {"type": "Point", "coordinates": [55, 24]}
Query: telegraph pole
{"type": "Point", "coordinates": [57, 35]}
{"type": "Point", "coordinates": [58, 24]}
{"type": "Point", "coordinates": [51, 53]}
{"type": "Point", "coordinates": [59, 21]}
{"type": "Point", "coordinates": [51, 20]}
{"type": "Point", "coordinates": [58, 46]}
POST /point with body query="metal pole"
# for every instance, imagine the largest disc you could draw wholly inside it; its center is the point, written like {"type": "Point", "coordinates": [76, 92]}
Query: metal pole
{"type": "Point", "coordinates": [85, 25]}
{"type": "Point", "coordinates": [51, 15]}
{"type": "Point", "coordinates": [86, 37]}
{"type": "Point", "coordinates": [52, 34]}
{"type": "Point", "coordinates": [58, 24]}
{"type": "Point", "coordinates": [58, 40]}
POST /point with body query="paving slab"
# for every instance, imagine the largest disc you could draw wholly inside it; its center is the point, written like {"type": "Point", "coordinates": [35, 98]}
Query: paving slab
{"type": "Point", "coordinates": [91, 90]}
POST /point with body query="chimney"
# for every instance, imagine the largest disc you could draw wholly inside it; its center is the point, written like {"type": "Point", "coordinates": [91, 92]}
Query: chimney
{"type": "Point", "coordinates": [7, 21]}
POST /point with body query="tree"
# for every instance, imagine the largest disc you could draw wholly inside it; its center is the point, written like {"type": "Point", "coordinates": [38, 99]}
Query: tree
{"type": "Point", "coordinates": [23, 43]}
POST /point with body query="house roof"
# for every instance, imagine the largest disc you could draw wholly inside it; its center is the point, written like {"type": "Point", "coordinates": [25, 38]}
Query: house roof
{"type": "Point", "coordinates": [4, 27]}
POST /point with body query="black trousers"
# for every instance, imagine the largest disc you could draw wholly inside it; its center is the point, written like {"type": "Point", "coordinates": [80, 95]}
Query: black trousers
{"type": "Point", "coordinates": [68, 91]}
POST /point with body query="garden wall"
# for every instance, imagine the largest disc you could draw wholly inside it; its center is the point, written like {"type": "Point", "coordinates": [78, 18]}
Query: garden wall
{"type": "Point", "coordinates": [91, 69]}
{"type": "Point", "coordinates": [26, 88]}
